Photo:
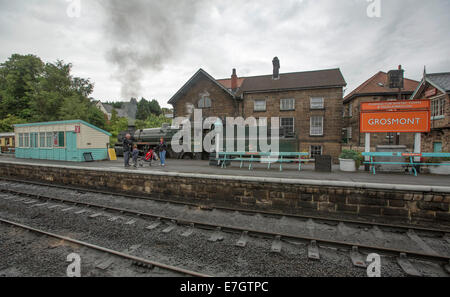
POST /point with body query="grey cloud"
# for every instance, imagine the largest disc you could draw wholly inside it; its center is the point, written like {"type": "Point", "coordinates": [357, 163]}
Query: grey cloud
{"type": "Point", "coordinates": [150, 48]}
{"type": "Point", "coordinates": [144, 35]}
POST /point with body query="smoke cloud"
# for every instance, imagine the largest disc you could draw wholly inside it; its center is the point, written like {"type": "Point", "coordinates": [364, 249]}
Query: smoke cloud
{"type": "Point", "coordinates": [144, 35]}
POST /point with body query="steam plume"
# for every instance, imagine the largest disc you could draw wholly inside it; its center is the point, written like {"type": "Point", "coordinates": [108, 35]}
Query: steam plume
{"type": "Point", "coordinates": [144, 35]}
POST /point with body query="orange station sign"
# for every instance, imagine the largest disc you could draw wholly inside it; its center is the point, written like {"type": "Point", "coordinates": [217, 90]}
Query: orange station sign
{"type": "Point", "coordinates": [407, 116]}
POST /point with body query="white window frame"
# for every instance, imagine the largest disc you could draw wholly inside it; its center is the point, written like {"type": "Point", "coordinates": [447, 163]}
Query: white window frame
{"type": "Point", "coordinates": [259, 109]}
{"type": "Point", "coordinates": [26, 140]}
{"type": "Point", "coordinates": [350, 110]}
{"type": "Point", "coordinates": [317, 105]}
{"type": "Point", "coordinates": [293, 123]}
{"type": "Point", "coordinates": [48, 139]}
{"type": "Point", "coordinates": [438, 107]}
{"type": "Point", "coordinates": [349, 133]}
{"type": "Point", "coordinates": [21, 143]}
{"type": "Point", "coordinates": [313, 131]}
{"type": "Point", "coordinates": [287, 104]}
{"type": "Point", "coordinates": [205, 102]}
{"type": "Point", "coordinates": [311, 150]}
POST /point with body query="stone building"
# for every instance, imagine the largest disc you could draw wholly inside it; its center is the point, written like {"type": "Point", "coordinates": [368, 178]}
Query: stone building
{"type": "Point", "coordinates": [436, 88]}
{"type": "Point", "coordinates": [127, 110]}
{"type": "Point", "coordinates": [375, 88]}
{"type": "Point", "coordinates": [309, 104]}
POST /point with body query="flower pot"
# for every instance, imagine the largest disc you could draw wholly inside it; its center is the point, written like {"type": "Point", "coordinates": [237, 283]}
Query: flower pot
{"type": "Point", "coordinates": [439, 169]}
{"type": "Point", "coordinates": [347, 165]}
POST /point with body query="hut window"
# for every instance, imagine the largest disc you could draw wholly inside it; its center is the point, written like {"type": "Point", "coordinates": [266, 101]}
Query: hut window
{"type": "Point", "coordinates": [20, 139]}
{"type": "Point", "coordinates": [26, 138]}
{"type": "Point", "coordinates": [58, 139]}
{"type": "Point", "coordinates": [42, 139]}
{"type": "Point", "coordinates": [48, 137]}
{"type": "Point", "coordinates": [34, 140]}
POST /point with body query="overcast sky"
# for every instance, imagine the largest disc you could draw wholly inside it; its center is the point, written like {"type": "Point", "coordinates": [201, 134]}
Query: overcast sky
{"type": "Point", "coordinates": [151, 48]}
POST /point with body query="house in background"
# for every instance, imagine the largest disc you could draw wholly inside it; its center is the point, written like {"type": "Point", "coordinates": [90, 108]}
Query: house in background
{"type": "Point", "coordinates": [127, 110]}
{"type": "Point", "coordinates": [436, 88]}
{"type": "Point", "coordinates": [102, 108]}
{"type": "Point", "coordinates": [309, 104]}
{"type": "Point", "coordinates": [375, 88]}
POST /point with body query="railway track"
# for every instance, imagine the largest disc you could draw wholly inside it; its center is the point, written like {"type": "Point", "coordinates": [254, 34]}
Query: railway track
{"type": "Point", "coordinates": [398, 227]}
{"type": "Point", "coordinates": [142, 261]}
{"type": "Point", "coordinates": [356, 249]}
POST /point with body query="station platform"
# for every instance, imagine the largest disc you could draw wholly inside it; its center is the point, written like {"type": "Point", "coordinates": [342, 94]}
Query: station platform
{"type": "Point", "coordinates": [290, 172]}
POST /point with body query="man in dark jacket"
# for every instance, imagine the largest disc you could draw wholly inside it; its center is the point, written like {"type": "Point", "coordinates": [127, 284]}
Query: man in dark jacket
{"type": "Point", "coordinates": [127, 148]}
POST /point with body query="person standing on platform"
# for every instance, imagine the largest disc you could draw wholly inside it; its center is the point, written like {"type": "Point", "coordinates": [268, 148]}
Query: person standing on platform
{"type": "Point", "coordinates": [127, 148]}
{"type": "Point", "coordinates": [135, 155]}
{"type": "Point", "coordinates": [162, 149]}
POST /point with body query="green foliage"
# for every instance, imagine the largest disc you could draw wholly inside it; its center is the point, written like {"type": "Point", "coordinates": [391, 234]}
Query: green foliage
{"type": "Point", "coordinates": [117, 105]}
{"type": "Point", "coordinates": [352, 155]}
{"type": "Point", "coordinates": [7, 124]}
{"type": "Point", "coordinates": [153, 121]}
{"type": "Point", "coordinates": [147, 108]}
{"type": "Point", "coordinates": [32, 91]}
{"type": "Point", "coordinates": [18, 75]}
{"type": "Point", "coordinates": [115, 126]}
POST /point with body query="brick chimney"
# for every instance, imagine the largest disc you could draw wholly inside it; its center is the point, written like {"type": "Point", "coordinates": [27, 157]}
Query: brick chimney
{"type": "Point", "coordinates": [276, 68]}
{"type": "Point", "coordinates": [234, 80]}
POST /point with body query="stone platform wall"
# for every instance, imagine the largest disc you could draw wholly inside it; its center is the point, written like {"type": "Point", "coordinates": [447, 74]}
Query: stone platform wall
{"type": "Point", "coordinates": [288, 196]}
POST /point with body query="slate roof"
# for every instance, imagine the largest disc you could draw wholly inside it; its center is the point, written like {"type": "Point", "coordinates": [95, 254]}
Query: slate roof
{"type": "Point", "coordinates": [265, 83]}
{"type": "Point", "coordinates": [128, 110]}
{"type": "Point", "coordinates": [442, 80]}
{"type": "Point", "coordinates": [293, 81]}
{"type": "Point", "coordinates": [192, 80]}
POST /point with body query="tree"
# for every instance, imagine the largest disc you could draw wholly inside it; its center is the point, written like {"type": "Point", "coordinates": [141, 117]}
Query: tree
{"type": "Point", "coordinates": [18, 75]}
{"type": "Point", "coordinates": [153, 121]}
{"type": "Point", "coordinates": [116, 125]}
{"type": "Point", "coordinates": [155, 108]}
{"type": "Point", "coordinates": [146, 108]}
{"type": "Point", "coordinates": [36, 92]}
{"type": "Point", "coordinates": [7, 124]}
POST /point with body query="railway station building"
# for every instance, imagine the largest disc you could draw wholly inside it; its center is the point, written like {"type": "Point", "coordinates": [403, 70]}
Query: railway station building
{"type": "Point", "coordinates": [309, 104]}
{"type": "Point", "coordinates": [63, 141]}
{"type": "Point", "coordinates": [436, 88]}
{"type": "Point", "coordinates": [374, 89]}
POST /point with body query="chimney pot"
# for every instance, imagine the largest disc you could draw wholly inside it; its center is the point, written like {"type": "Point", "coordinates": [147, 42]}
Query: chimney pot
{"type": "Point", "coordinates": [234, 80]}
{"type": "Point", "coordinates": [276, 68]}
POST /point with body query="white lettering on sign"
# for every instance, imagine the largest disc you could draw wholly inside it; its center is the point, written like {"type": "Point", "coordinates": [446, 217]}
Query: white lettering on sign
{"type": "Point", "coordinates": [389, 122]}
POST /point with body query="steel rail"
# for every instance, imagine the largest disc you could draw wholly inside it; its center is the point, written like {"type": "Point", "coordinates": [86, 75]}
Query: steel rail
{"type": "Point", "coordinates": [248, 211]}
{"type": "Point", "coordinates": [250, 232]}
{"type": "Point", "coordinates": [106, 250]}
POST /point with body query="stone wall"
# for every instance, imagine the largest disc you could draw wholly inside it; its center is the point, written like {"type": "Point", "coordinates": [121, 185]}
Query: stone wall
{"type": "Point", "coordinates": [222, 104]}
{"type": "Point", "coordinates": [332, 115]}
{"type": "Point", "coordinates": [252, 193]}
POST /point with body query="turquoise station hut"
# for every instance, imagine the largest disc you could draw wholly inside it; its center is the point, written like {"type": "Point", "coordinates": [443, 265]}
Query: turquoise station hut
{"type": "Point", "coordinates": [62, 141]}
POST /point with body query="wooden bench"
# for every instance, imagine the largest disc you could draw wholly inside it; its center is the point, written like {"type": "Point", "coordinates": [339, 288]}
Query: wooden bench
{"type": "Point", "coordinates": [269, 158]}
{"type": "Point", "coordinates": [412, 164]}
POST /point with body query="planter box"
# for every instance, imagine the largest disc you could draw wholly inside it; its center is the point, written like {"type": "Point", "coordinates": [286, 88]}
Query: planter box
{"type": "Point", "coordinates": [439, 170]}
{"type": "Point", "coordinates": [347, 165]}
